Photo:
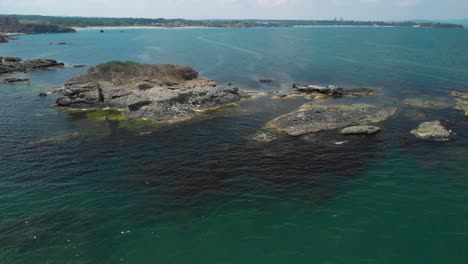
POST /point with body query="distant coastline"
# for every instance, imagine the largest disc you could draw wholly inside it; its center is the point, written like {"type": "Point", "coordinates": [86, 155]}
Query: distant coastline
{"type": "Point", "coordinates": [62, 23]}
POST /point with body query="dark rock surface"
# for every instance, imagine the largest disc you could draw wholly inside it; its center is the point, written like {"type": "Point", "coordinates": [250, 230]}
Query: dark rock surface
{"type": "Point", "coordinates": [312, 117]}
{"type": "Point", "coordinates": [4, 38]}
{"type": "Point", "coordinates": [332, 90]}
{"type": "Point", "coordinates": [14, 80]}
{"type": "Point", "coordinates": [265, 80]}
{"type": "Point", "coordinates": [156, 92]}
{"type": "Point", "coordinates": [15, 64]}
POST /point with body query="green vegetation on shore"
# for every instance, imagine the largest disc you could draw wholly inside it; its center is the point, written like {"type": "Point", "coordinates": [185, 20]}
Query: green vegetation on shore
{"type": "Point", "coordinates": [161, 22]}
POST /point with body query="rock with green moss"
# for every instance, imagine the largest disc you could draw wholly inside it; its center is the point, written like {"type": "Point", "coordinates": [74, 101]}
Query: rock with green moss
{"type": "Point", "coordinates": [312, 117]}
{"type": "Point", "coordinates": [360, 130]}
{"type": "Point", "coordinates": [428, 104]}
{"type": "Point", "coordinates": [142, 91]}
{"type": "Point", "coordinates": [433, 131]}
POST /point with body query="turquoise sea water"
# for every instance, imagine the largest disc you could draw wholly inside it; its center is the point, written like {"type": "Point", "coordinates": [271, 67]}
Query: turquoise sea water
{"type": "Point", "coordinates": [80, 190]}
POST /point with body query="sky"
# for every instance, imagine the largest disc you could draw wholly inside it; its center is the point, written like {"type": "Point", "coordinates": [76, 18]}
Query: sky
{"type": "Point", "coordinates": [242, 9]}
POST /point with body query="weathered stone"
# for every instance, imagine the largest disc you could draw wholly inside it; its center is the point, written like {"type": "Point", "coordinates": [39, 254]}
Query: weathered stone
{"type": "Point", "coordinates": [156, 92]}
{"type": "Point", "coordinates": [312, 117]}
{"type": "Point", "coordinates": [361, 130]}
{"type": "Point", "coordinates": [433, 131]}
{"type": "Point", "coordinates": [14, 64]}
{"type": "Point", "coordinates": [335, 91]}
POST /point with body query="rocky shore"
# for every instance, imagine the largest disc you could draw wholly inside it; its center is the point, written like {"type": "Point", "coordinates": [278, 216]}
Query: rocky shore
{"type": "Point", "coordinates": [15, 64]}
{"type": "Point", "coordinates": [142, 91]}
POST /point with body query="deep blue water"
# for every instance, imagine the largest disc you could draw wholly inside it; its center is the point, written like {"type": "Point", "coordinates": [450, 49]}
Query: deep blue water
{"type": "Point", "coordinates": [79, 190]}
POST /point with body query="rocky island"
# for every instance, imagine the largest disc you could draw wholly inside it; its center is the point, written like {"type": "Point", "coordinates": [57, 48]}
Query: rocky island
{"type": "Point", "coordinates": [143, 91]}
{"type": "Point", "coordinates": [313, 117]}
{"type": "Point", "coordinates": [16, 64]}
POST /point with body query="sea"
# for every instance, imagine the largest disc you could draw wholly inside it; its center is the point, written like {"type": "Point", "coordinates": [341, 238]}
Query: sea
{"type": "Point", "coordinates": [79, 188]}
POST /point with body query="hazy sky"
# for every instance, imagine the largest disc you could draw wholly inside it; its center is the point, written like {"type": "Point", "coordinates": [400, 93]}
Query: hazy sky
{"type": "Point", "coordinates": [275, 9]}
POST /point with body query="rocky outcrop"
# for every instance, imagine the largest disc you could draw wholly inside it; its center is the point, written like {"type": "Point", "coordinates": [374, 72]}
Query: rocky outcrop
{"type": "Point", "coordinates": [335, 91]}
{"type": "Point", "coordinates": [155, 92]}
{"type": "Point", "coordinates": [14, 80]}
{"type": "Point", "coordinates": [15, 64]}
{"type": "Point", "coordinates": [361, 130]}
{"type": "Point", "coordinates": [433, 131]}
{"type": "Point", "coordinates": [312, 117]}
{"type": "Point", "coordinates": [4, 38]}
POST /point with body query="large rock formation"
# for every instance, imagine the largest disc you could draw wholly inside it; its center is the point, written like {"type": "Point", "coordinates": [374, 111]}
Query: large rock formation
{"type": "Point", "coordinates": [433, 131]}
{"type": "Point", "coordinates": [156, 92]}
{"type": "Point", "coordinates": [312, 117]}
{"type": "Point", "coordinates": [15, 64]}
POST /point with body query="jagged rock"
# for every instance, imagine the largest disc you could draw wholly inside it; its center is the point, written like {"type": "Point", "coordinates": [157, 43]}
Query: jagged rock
{"type": "Point", "coordinates": [15, 64]}
{"type": "Point", "coordinates": [265, 138]}
{"type": "Point", "coordinates": [312, 117]}
{"type": "Point", "coordinates": [360, 130]}
{"type": "Point", "coordinates": [156, 92]}
{"type": "Point", "coordinates": [433, 131]}
{"type": "Point", "coordinates": [335, 91]}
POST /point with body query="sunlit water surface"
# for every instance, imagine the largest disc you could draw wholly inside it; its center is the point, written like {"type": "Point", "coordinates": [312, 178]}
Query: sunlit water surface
{"type": "Point", "coordinates": [80, 190]}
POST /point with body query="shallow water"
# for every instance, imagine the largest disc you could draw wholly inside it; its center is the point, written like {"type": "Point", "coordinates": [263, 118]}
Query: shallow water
{"type": "Point", "coordinates": [79, 190]}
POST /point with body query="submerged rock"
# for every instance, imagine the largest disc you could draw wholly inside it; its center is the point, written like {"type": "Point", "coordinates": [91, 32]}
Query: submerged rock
{"type": "Point", "coordinates": [155, 92]}
{"type": "Point", "coordinates": [78, 65]}
{"type": "Point", "coordinates": [361, 130]}
{"type": "Point", "coordinates": [419, 103]}
{"type": "Point", "coordinates": [335, 91]}
{"type": "Point", "coordinates": [265, 138]}
{"type": "Point", "coordinates": [312, 117]}
{"type": "Point", "coordinates": [42, 94]}
{"type": "Point", "coordinates": [459, 94]}
{"type": "Point", "coordinates": [462, 106]}
{"type": "Point", "coordinates": [433, 131]}
{"type": "Point", "coordinates": [265, 80]}
{"type": "Point", "coordinates": [15, 64]}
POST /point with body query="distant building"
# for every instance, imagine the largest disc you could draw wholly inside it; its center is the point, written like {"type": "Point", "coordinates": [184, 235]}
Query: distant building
{"type": "Point", "coordinates": [9, 20]}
